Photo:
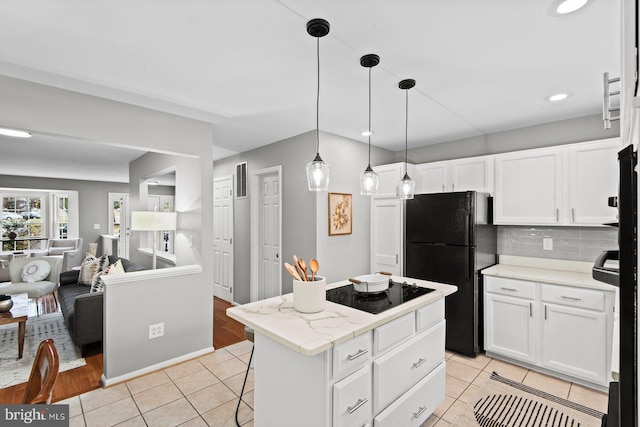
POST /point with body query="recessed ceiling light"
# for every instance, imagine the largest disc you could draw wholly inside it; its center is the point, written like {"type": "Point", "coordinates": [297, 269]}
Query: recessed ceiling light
{"type": "Point", "coordinates": [15, 133]}
{"type": "Point", "coordinates": [367, 133]}
{"type": "Point", "coordinates": [569, 6]}
{"type": "Point", "coordinates": [557, 97]}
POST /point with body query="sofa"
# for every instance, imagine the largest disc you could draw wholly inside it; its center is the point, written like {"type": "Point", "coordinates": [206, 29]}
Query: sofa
{"type": "Point", "coordinates": [82, 310]}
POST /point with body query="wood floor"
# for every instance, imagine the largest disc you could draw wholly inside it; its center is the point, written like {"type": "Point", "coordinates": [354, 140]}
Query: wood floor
{"type": "Point", "coordinates": [226, 331]}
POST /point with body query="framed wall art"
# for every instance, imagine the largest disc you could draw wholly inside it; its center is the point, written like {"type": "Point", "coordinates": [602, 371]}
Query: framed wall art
{"type": "Point", "coordinates": [340, 218]}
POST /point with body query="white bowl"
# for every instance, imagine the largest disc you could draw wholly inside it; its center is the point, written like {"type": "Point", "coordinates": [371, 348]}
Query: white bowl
{"type": "Point", "coordinates": [371, 283]}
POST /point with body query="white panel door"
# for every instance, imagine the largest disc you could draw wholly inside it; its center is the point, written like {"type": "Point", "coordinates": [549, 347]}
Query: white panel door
{"type": "Point", "coordinates": [593, 177]}
{"type": "Point", "coordinates": [432, 177]}
{"type": "Point", "coordinates": [574, 342]}
{"type": "Point", "coordinates": [269, 268]}
{"type": "Point", "coordinates": [223, 238]}
{"type": "Point", "coordinates": [386, 235]}
{"type": "Point", "coordinates": [509, 327]}
{"type": "Point", "coordinates": [529, 187]}
{"type": "Point", "coordinates": [472, 174]}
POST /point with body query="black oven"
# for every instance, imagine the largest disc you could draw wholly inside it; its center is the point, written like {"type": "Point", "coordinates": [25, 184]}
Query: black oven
{"type": "Point", "coordinates": [619, 268]}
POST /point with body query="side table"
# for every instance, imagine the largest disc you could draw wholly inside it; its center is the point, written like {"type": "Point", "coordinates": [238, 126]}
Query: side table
{"type": "Point", "coordinates": [18, 314]}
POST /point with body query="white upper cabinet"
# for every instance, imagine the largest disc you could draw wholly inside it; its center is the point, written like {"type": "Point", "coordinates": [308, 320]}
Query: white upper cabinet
{"type": "Point", "coordinates": [468, 174]}
{"type": "Point", "coordinates": [390, 175]}
{"type": "Point", "coordinates": [472, 174]}
{"type": "Point", "coordinates": [564, 185]}
{"type": "Point", "coordinates": [528, 187]}
{"type": "Point", "coordinates": [432, 177]}
{"type": "Point", "coordinates": [592, 179]}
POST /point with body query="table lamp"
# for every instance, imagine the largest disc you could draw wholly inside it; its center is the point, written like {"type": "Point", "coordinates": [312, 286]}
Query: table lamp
{"type": "Point", "coordinates": [154, 222]}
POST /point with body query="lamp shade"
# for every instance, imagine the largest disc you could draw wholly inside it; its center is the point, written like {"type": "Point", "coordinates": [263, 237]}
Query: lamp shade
{"type": "Point", "coordinates": [153, 221]}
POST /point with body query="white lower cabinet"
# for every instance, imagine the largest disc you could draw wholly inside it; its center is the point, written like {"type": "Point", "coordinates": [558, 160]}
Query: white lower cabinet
{"type": "Point", "coordinates": [568, 338]}
{"type": "Point", "coordinates": [510, 327]}
{"type": "Point", "coordinates": [352, 399]}
{"type": "Point", "coordinates": [561, 329]}
{"type": "Point", "coordinates": [415, 406]}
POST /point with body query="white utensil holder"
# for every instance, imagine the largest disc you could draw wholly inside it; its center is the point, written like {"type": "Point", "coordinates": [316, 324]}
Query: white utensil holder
{"type": "Point", "coordinates": [310, 297]}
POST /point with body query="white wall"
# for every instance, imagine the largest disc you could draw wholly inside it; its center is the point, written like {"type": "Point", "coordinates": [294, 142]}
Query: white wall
{"type": "Point", "coordinates": [44, 109]}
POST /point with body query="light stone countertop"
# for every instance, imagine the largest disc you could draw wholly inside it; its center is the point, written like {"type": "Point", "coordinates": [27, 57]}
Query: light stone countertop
{"type": "Point", "coordinates": [310, 334]}
{"type": "Point", "coordinates": [557, 272]}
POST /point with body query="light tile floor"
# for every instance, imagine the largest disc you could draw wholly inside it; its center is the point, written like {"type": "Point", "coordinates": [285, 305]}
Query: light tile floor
{"type": "Point", "coordinates": [204, 392]}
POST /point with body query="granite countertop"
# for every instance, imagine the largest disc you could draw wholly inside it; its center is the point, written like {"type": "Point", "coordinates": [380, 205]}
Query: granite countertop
{"type": "Point", "coordinates": [569, 273]}
{"type": "Point", "coordinates": [310, 334]}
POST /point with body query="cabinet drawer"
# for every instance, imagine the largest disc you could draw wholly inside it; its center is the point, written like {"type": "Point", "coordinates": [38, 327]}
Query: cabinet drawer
{"type": "Point", "coordinates": [396, 371]}
{"type": "Point", "coordinates": [393, 332]}
{"type": "Point", "coordinates": [573, 297]}
{"type": "Point", "coordinates": [512, 287]}
{"type": "Point", "coordinates": [352, 399]}
{"type": "Point", "coordinates": [351, 355]}
{"type": "Point", "coordinates": [415, 406]}
{"type": "Point", "coordinates": [429, 315]}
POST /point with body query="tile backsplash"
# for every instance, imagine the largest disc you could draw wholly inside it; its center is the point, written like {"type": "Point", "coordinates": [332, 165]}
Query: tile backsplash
{"type": "Point", "coordinates": [569, 243]}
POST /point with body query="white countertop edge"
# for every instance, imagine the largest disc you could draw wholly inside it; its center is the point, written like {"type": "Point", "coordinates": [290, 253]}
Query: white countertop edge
{"type": "Point", "coordinates": [557, 277]}
{"type": "Point", "coordinates": [371, 321]}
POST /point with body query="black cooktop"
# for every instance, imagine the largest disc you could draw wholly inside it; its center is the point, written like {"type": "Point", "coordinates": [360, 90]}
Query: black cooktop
{"type": "Point", "coordinates": [397, 294]}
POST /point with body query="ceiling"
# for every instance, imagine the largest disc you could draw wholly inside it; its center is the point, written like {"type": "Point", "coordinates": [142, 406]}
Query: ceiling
{"type": "Point", "coordinates": [249, 66]}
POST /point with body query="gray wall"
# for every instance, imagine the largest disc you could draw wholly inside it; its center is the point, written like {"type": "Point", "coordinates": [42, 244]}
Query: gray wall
{"type": "Point", "coordinates": [49, 110]}
{"type": "Point", "coordinates": [303, 213]}
{"type": "Point", "coordinates": [569, 243]}
{"type": "Point", "coordinates": [92, 197]}
{"type": "Point", "coordinates": [579, 129]}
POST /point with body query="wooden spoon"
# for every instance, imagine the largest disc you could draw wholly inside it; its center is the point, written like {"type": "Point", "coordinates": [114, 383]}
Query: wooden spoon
{"type": "Point", "coordinates": [314, 266]}
{"type": "Point", "coordinates": [303, 267]}
{"type": "Point", "coordinates": [292, 271]}
{"type": "Point", "coordinates": [296, 262]}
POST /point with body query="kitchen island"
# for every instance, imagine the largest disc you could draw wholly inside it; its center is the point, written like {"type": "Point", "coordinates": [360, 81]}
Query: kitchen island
{"type": "Point", "coordinates": [347, 367]}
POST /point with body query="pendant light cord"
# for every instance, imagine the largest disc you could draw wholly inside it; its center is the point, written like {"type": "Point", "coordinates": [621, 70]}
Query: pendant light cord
{"type": "Point", "coordinates": [406, 128]}
{"type": "Point", "coordinates": [369, 116]}
{"type": "Point", "coordinates": [318, 99]}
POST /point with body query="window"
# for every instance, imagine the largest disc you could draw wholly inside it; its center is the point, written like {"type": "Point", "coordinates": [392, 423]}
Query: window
{"type": "Point", "coordinates": [22, 226]}
{"type": "Point", "coordinates": [60, 216]}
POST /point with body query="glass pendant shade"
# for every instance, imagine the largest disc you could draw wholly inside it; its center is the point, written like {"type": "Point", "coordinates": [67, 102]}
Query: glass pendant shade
{"type": "Point", "coordinates": [406, 188]}
{"type": "Point", "coordinates": [368, 182]}
{"type": "Point", "coordinates": [318, 174]}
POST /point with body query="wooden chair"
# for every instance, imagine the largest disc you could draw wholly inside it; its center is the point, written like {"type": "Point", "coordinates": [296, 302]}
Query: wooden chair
{"type": "Point", "coordinates": [44, 374]}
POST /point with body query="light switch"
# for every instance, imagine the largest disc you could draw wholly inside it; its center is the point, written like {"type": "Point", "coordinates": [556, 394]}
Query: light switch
{"type": "Point", "coordinates": [547, 244]}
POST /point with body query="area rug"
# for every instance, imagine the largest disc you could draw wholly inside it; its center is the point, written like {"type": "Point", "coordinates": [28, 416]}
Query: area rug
{"type": "Point", "coordinates": [501, 402]}
{"type": "Point", "coordinates": [15, 371]}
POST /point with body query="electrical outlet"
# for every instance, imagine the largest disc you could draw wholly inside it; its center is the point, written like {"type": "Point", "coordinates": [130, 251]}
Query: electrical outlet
{"type": "Point", "coordinates": [96, 226]}
{"type": "Point", "coordinates": [547, 244]}
{"type": "Point", "coordinates": [156, 330]}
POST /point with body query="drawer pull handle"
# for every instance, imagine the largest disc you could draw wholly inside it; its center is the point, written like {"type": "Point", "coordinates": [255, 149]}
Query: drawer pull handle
{"type": "Point", "coordinates": [508, 289]}
{"type": "Point", "coordinates": [570, 298]}
{"type": "Point", "coordinates": [359, 403]}
{"type": "Point", "coordinates": [358, 354]}
{"type": "Point", "coordinates": [419, 362]}
{"type": "Point", "coordinates": [420, 411]}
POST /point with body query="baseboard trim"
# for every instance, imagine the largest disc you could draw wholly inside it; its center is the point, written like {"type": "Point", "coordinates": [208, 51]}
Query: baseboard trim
{"type": "Point", "coordinates": [107, 382]}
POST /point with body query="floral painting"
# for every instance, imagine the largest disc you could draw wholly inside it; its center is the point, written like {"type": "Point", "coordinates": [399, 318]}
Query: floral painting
{"type": "Point", "coordinates": [340, 219]}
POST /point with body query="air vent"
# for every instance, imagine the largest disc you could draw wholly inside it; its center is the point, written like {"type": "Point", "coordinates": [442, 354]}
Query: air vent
{"type": "Point", "coordinates": [241, 180]}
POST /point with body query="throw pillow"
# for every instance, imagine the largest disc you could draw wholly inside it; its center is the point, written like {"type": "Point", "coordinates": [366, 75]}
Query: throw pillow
{"type": "Point", "coordinates": [116, 268]}
{"type": "Point", "coordinates": [90, 267]}
{"type": "Point", "coordinates": [97, 285]}
{"type": "Point", "coordinates": [35, 271]}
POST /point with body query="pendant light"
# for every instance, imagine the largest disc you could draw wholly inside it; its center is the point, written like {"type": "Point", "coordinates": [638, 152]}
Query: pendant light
{"type": "Point", "coordinates": [318, 169]}
{"type": "Point", "coordinates": [406, 186]}
{"type": "Point", "coordinates": [369, 178]}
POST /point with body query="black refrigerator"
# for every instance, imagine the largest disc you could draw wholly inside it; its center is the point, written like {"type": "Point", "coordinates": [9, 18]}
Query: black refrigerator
{"type": "Point", "coordinates": [449, 238]}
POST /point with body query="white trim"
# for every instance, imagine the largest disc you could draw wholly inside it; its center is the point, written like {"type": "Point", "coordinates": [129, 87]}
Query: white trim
{"type": "Point", "coordinates": [255, 183]}
{"type": "Point", "coordinates": [106, 382]}
{"type": "Point", "coordinates": [137, 276]}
